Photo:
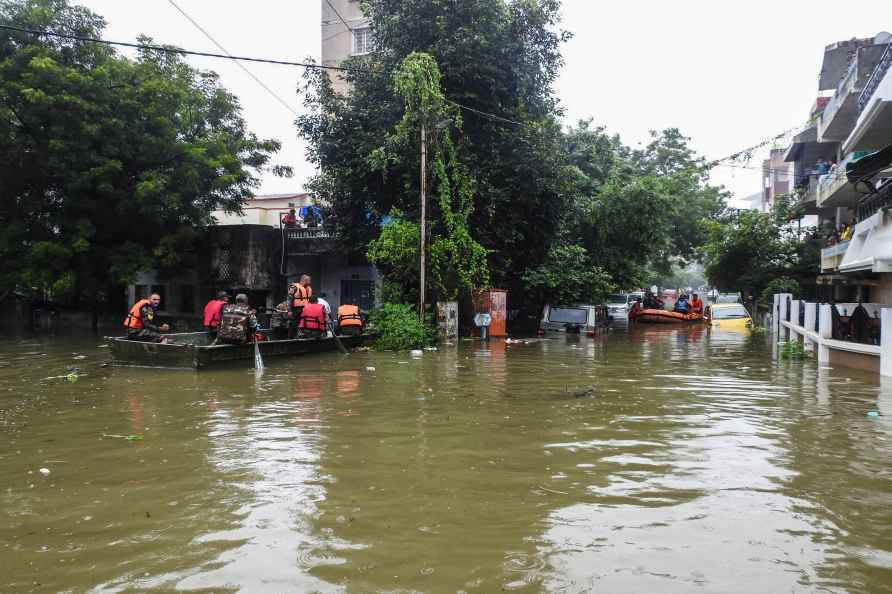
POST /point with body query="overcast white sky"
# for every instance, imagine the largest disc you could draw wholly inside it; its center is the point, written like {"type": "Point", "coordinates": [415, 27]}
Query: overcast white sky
{"type": "Point", "coordinates": [727, 74]}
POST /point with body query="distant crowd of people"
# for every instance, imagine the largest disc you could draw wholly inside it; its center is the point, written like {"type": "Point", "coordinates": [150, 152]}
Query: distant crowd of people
{"type": "Point", "coordinates": [301, 315]}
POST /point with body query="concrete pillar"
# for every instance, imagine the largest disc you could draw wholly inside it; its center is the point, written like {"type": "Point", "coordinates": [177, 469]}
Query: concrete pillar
{"type": "Point", "coordinates": [794, 311]}
{"type": "Point", "coordinates": [886, 342]}
{"type": "Point", "coordinates": [810, 314]}
{"type": "Point", "coordinates": [826, 332]}
{"type": "Point", "coordinates": [775, 318]}
{"type": "Point", "coordinates": [784, 332]}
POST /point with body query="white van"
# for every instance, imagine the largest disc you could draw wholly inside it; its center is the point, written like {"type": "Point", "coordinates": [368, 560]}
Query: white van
{"type": "Point", "coordinates": [572, 319]}
{"type": "Point", "coordinates": [618, 305]}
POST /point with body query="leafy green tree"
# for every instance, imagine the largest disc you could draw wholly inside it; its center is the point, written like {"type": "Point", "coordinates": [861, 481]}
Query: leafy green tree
{"type": "Point", "coordinates": [499, 57]}
{"type": "Point", "coordinates": [109, 166]}
{"type": "Point", "coordinates": [457, 261]}
{"type": "Point", "coordinates": [567, 276]}
{"type": "Point", "coordinates": [755, 252]}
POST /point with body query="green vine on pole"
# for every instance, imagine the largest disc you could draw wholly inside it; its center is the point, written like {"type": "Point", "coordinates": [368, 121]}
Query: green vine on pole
{"type": "Point", "coordinates": [457, 260]}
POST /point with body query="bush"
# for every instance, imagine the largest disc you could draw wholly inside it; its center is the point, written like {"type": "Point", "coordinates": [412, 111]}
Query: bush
{"type": "Point", "coordinates": [399, 328]}
{"type": "Point", "coordinates": [794, 350]}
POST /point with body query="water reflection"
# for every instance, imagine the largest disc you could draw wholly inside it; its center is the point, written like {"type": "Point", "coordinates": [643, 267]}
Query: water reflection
{"type": "Point", "coordinates": [658, 459]}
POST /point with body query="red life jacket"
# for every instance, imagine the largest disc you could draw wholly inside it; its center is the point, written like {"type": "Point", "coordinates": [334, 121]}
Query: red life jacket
{"type": "Point", "coordinates": [212, 313]}
{"type": "Point", "coordinates": [134, 318]}
{"type": "Point", "coordinates": [312, 317]}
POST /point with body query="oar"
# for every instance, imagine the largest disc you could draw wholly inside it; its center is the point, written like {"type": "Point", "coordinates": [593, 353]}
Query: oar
{"type": "Point", "coordinates": [341, 346]}
{"type": "Point", "coordinates": [258, 359]}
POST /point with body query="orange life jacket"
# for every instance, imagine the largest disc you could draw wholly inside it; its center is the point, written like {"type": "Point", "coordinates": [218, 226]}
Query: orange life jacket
{"type": "Point", "coordinates": [348, 315]}
{"type": "Point", "coordinates": [134, 318]}
{"type": "Point", "coordinates": [312, 317]}
{"type": "Point", "coordinates": [301, 294]}
{"type": "Point", "coordinates": [697, 305]}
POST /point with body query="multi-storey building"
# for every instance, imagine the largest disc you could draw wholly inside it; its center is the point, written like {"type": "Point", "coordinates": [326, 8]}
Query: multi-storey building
{"type": "Point", "coordinates": [345, 33]}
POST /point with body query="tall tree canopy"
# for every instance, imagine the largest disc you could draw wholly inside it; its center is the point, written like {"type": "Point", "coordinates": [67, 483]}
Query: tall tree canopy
{"type": "Point", "coordinates": [108, 166]}
{"type": "Point", "coordinates": [500, 58]}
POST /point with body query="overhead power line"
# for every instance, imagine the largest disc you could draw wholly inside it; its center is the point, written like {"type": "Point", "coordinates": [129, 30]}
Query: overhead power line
{"type": "Point", "coordinates": [335, 10]}
{"type": "Point", "coordinates": [239, 64]}
{"type": "Point", "coordinates": [175, 50]}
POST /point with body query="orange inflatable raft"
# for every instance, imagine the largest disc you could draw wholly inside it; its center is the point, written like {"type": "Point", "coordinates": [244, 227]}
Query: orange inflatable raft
{"type": "Point", "coordinates": [662, 316]}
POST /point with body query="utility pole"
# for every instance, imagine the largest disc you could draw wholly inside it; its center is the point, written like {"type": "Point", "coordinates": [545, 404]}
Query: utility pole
{"type": "Point", "coordinates": [423, 212]}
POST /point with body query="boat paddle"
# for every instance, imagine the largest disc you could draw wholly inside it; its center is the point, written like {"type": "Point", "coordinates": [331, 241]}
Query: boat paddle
{"type": "Point", "coordinates": [258, 359]}
{"type": "Point", "coordinates": [341, 346]}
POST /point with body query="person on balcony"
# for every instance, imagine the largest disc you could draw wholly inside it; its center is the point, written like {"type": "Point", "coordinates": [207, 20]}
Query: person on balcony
{"type": "Point", "coordinates": [290, 219]}
{"type": "Point", "coordinates": [821, 167]}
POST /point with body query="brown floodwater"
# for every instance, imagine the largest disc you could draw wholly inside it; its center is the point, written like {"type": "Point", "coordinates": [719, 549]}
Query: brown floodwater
{"type": "Point", "coordinates": [658, 460]}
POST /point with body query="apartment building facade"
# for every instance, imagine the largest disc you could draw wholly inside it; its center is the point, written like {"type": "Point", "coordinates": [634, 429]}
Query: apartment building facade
{"type": "Point", "coordinates": [345, 33]}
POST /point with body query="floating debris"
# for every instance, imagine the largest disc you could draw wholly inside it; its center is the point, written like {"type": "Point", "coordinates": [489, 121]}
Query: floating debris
{"type": "Point", "coordinates": [45, 471]}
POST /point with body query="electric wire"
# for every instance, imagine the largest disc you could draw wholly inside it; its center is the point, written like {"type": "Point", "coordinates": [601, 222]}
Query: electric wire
{"type": "Point", "coordinates": [335, 10]}
{"type": "Point", "coordinates": [239, 64]}
{"type": "Point", "coordinates": [174, 50]}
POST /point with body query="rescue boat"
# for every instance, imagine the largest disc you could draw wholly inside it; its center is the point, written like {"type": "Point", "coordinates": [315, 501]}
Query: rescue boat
{"type": "Point", "coordinates": [662, 316]}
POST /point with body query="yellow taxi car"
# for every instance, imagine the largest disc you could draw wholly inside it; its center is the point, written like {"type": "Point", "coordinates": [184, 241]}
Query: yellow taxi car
{"type": "Point", "coordinates": [728, 316]}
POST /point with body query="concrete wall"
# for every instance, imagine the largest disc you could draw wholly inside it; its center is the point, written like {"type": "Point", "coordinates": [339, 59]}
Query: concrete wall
{"type": "Point", "coordinates": [882, 293]}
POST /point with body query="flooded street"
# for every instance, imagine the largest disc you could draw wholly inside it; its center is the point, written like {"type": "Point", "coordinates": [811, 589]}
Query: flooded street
{"type": "Point", "coordinates": [661, 460]}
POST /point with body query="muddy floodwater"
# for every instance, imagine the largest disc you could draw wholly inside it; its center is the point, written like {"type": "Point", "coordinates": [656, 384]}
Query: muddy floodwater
{"type": "Point", "coordinates": [657, 460]}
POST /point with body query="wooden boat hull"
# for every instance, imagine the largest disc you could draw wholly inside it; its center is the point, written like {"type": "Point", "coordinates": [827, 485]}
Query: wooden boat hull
{"type": "Point", "coordinates": [661, 316]}
{"type": "Point", "coordinates": [193, 351]}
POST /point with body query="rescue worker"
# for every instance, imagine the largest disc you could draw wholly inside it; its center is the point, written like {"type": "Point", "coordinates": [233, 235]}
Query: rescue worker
{"type": "Point", "coordinates": [696, 304]}
{"type": "Point", "coordinates": [681, 305]}
{"type": "Point", "coordinates": [651, 301]}
{"type": "Point", "coordinates": [350, 322]}
{"type": "Point", "coordinates": [140, 322]}
{"type": "Point", "coordinates": [312, 320]}
{"type": "Point", "coordinates": [299, 294]}
{"type": "Point", "coordinates": [238, 322]}
{"type": "Point", "coordinates": [213, 312]}
{"type": "Point", "coordinates": [280, 320]}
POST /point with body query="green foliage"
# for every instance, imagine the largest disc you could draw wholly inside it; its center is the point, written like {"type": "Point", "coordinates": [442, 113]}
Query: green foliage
{"type": "Point", "coordinates": [635, 210]}
{"type": "Point", "coordinates": [508, 178]}
{"type": "Point", "coordinates": [395, 253]}
{"type": "Point", "coordinates": [794, 350]}
{"type": "Point", "coordinates": [457, 261]}
{"type": "Point", "coordinates": [760, 253]}
{"type": "Point", "coordinates": [568, 277]}
{"type": "Point", "coordinates": [399, 328]}
{"type": "Point", "coordinates": [108, 165]}
{"type": "Point", "coordinates": [782, 284]}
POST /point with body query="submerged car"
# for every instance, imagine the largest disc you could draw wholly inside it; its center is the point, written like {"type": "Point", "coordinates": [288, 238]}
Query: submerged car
{"type": "Point", "coordinates": [728, 316]}
{"type": "Point", "coordinates": [618, 305]}
{"type": "Point", "coordinates": [572, 319]}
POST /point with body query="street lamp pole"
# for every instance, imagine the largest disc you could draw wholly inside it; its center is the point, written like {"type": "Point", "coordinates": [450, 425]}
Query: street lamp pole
{"type": "Point", "coordinates": [423, 213]}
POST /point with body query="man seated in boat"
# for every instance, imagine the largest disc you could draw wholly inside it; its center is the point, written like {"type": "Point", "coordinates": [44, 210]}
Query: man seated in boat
{"type": "Point", "coordinates": [635, 309]}
{"type": "Point", "coordinates": [312, 320]}
{"type": "Point", "coordinates": [696, 304]}
{"type": "Point", "coordinates": [651, 301]}
{"type": "Point", "coordinates": [280, 320]}
{"type": "Point", "coordinates": [212, 312]}
{"type": "Point", "coordinates": [140, 322]}
{"type": "Point", "coordinates": [238, 322]}
{"type": "Point", "coordinates": [350, 322]}
{"type": "Point", "coordinates": [681, 305]}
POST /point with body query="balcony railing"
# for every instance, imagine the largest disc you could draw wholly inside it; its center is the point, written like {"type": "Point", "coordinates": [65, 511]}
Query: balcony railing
{"type": "Point", "coordinates": [309, 233]}
{"type": "Point", "coordinates": [875, 202]}
{"type": "Point", "coordinates": [831, 257]}
{"type": "Point", "coordinates": [876, 77]}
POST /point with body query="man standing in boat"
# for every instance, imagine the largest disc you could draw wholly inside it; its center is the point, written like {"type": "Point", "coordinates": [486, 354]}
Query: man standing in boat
{"type": "Point", "coordinates": [238, 322]}
{"type": "Point", "coordinates": [299, 295]}
{"type": "Point", "coordinates": [140, 322]}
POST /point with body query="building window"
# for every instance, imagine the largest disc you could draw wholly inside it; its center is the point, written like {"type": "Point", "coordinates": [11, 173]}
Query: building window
{"type": "Point", "coordinates": [362, 41]}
